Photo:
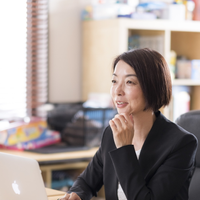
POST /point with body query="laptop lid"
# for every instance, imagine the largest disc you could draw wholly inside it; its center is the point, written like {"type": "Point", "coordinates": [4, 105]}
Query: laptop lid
{"type": "Point", "coordinates": [21, 178]}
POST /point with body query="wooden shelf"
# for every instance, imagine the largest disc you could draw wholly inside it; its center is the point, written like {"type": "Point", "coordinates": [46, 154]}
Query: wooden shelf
{"type": "Point", "coordinates": [159, 24]}
{"type": "Point", "coordinates": [103, 40]}
{"type": "Point", "coordinates": [47, 170]}
{"type": "Point", "coordinates": [186, 82]}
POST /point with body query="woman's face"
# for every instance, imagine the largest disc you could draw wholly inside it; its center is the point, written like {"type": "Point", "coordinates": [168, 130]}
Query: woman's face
{"type": "Point", "coordinates": [126, 92]}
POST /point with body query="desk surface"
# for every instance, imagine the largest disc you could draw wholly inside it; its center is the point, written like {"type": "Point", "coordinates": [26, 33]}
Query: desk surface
{"type": "Point", "coordinates": [54, 194]}
{"type": "Point", "coordinates": [55, 157]}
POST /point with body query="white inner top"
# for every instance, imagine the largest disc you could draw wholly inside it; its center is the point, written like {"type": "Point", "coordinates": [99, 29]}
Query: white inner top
{"type": "Point", "coordinates": [120, 192]}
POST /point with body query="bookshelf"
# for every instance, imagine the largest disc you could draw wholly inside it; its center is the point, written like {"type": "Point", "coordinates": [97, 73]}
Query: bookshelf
{"type": "Point", "coordinates": [103, 40]}
{"type": "Point", "coordinates": [186, 82]}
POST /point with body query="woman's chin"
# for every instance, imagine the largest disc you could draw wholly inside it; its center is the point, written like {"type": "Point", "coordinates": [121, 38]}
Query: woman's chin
{"type": "Point", "coordinates": [120, 111]}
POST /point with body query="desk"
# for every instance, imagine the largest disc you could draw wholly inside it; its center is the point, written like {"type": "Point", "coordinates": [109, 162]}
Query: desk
{"type": "Point", "coordinates": [54, 194]}
{"type": "Point", "coordinates": [57, 161]}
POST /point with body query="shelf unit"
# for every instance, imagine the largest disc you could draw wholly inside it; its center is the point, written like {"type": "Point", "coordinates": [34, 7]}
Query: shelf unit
{"type": "Point", "coordinates": [47, 170]}
{"type": "Point", "coordinates": [103, 40]}
{"type": "Point", "coordinates": [78, 166]}
{"type": "Point", "coordinates": [186, 82]}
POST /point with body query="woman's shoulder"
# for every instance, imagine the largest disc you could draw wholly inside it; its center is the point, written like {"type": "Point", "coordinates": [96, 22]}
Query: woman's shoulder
{"type": "Point", "coordinates": [107, 134]}
{"type": "Point", "coordinates": [174, 131]}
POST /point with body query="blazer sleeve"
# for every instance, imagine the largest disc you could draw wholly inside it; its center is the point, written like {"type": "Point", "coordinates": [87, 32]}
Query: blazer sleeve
{"type": "Point", "coordinates": [168, 179]}
{"type": "Point", "coordinates": [90, 180]}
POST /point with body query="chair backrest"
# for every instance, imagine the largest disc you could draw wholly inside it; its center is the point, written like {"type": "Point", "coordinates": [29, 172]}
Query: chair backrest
{"type": "Point", "coordinates": [190, 121]}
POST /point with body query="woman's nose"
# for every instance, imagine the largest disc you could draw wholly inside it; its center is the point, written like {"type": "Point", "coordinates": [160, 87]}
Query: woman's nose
{"type": "Point", "coordinates": [119, 90]}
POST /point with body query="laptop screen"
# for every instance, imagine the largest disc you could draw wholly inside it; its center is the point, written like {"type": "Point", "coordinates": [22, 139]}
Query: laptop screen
{"type": "Point", "coordinates": [21, 178]}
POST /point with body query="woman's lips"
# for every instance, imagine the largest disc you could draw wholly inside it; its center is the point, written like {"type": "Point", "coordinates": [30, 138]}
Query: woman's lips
{"type": "Point", "coordinates": [121, 104]}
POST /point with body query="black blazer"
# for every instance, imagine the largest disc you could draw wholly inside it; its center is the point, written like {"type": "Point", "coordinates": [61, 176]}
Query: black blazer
{"type": "Point", "coordinates": [163, 171]}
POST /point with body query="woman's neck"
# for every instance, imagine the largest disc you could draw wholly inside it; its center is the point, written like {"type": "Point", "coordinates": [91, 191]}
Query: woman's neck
{"type": "Point", "coordinates": [143, 123]}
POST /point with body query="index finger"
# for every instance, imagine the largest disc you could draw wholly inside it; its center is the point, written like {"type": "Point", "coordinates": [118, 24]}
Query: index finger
{"type": "Point", "coordinates": [65, 197]}
{"type": "Point", "coordinates": [128, 117]}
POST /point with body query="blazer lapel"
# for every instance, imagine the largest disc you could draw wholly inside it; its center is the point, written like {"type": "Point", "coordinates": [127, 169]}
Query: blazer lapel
{"type": "Point", "coordinates": [152, 148]}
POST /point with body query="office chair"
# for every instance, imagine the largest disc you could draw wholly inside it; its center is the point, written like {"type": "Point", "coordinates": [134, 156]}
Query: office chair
{"type": "Point", "coordinates": [190, 121]}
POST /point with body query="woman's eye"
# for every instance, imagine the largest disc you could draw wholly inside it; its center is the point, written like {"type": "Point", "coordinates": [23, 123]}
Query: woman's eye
{"type": "Point", "coordinates": [129, 82]}
{"type": "Point", "coordinates": [113, 81]}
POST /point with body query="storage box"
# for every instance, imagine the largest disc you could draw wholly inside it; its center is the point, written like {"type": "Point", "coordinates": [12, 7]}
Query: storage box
{"type": "Point", "coordinates": [24, 136]}
{"type": "Point", "coordinates": [87, 126]}
{"type": "Point", "coordinates": [174, 12]}
{"type": "Point", "coordinates": [195, 69]}
{"type": "Point", "coordinates": [183, 69]}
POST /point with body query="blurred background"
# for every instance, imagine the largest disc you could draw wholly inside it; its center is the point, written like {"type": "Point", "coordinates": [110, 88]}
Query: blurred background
{"type": "Point", "coordinates": [56, 58]}
{"type": "Point", "coordinates": [42, 52]}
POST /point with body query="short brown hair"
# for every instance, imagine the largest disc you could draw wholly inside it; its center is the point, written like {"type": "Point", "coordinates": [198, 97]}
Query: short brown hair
{"type": "Point", "coordinates": [153, 75]}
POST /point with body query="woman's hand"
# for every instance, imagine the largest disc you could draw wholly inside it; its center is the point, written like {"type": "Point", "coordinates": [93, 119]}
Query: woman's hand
{"type": "Point", "coordinates": [71, 196]}
{"type": "Point", "coordinates": [123, 129]}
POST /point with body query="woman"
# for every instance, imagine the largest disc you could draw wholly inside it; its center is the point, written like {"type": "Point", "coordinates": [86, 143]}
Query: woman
{"type": "Point", "coordinates": [143, 155]}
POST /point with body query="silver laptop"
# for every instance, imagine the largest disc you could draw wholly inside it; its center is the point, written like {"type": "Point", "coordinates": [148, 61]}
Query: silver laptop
{"type": "Point", "coordinates": [21, 179]}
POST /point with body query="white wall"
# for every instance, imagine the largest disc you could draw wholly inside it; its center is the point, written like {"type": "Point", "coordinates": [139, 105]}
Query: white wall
{"type": "Point", "coordinates": [65, 50]}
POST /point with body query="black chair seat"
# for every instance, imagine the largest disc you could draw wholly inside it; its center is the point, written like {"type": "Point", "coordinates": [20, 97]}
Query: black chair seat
{"type": "Point", "coordinates": [190, 121]}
